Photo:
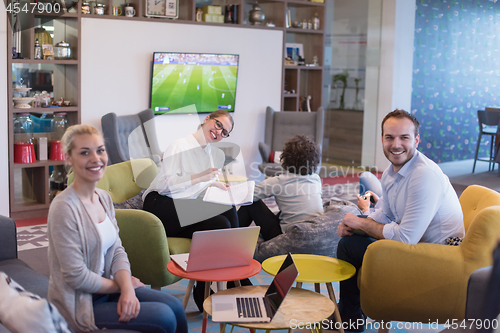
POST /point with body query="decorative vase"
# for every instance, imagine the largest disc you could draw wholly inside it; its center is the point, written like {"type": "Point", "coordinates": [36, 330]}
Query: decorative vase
{"type": "Point", "coordinates": [256, 15]}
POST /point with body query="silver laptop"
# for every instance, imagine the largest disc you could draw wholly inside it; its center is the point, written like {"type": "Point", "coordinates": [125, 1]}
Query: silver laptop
{"type": "Point", "coordinates": [256, 308]}
{"type": "Point", "coordinates": [219, 248]}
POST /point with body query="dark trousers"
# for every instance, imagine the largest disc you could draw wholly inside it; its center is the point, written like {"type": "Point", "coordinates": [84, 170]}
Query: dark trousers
{"type": "Point", "coordinates": [164, 208]}
{"type": "Point", "coordinates": [351, 249]}
{"type": "Point", "coordinates": [262, 216]}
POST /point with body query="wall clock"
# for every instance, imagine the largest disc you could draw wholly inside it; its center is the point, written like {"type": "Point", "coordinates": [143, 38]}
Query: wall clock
{"type": "Point", "coordinates": [162, 8]}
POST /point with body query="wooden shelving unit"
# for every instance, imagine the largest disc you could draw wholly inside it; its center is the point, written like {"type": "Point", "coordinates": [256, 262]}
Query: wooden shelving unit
{"type": "Point", "coordinates": [29, 183]}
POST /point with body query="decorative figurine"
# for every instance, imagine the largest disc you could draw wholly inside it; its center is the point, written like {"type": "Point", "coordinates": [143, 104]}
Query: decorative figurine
{"type": "Point", "coordinates": [256, 16]}
{"type": "Point", "coordinates": [199, 14]}
{"type": "Point", "coordinates": [38, 50]}
{"type": "Point", "coordinates": [315, 61]}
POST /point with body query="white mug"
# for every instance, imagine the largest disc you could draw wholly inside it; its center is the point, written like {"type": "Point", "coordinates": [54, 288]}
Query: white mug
{"type": "Point", "coordinates": [129, 11]}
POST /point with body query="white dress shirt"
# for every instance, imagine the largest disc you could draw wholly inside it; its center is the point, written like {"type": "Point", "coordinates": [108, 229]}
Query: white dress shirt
{"type": "Point", "coordinates": [183, 158]}
{"type": "Point", "coordinates": [419, 204]}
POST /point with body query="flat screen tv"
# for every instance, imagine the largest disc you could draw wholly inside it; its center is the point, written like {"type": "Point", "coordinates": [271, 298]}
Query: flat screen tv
{"type": "Point", "coordinates": [182, 81]}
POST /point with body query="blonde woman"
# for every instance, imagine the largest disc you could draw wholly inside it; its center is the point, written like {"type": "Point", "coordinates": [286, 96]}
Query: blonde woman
{"type": "Point", "coordinates": [90, 280]}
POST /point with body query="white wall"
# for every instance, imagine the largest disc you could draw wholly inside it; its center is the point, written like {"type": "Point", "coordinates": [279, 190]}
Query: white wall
{"type": "Point", "coordinates": [394, 74]}
{"type": "Point", "coordinates": [116, 66]}
{"type": "Point", "coordinates": [4, 162]}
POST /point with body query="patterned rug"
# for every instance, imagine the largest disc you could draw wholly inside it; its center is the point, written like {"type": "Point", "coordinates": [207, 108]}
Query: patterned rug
{"type": "Point", "coordinates": [32, 237]}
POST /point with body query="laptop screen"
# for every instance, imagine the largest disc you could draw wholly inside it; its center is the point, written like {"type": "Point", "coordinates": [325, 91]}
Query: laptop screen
{"type": "Point", "coordinates": [282, 283]}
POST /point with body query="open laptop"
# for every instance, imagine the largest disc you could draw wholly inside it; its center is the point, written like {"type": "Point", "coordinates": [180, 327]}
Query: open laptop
{"type": "Point", "coordinates": [219, 248]}
{"type": "Point", "coordinates": [256, 308]}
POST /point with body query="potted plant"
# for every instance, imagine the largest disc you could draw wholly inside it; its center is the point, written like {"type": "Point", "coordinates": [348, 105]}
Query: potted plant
{"type": "Point", "coordinates": [343, 78]}
{"type": "Point", "coordinates": [357, 103]}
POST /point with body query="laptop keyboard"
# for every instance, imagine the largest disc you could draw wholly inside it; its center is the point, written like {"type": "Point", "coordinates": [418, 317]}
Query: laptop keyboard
{"type": "Point", "coordinates": [248, 307]}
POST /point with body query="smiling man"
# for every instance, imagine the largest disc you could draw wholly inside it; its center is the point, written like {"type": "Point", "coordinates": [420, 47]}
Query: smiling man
{"type": "Point", "coordinates": [418, 205]}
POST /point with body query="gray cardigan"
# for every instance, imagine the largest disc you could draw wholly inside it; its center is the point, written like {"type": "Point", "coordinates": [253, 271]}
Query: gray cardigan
{"type": "Point", "coordinates": [75, 257]}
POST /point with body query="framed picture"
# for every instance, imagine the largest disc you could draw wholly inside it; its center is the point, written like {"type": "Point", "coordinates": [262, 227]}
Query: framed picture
{"type": "Point", "coordinates": [48, 51]}
{"type": "Point", "coordinates": [294, 50]}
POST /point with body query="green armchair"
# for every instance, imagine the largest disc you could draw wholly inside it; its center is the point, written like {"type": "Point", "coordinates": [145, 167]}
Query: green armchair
{"type": "Point", "coordinates": [425, 281]}
{"type": "Point", "coordinates": [141, 232]}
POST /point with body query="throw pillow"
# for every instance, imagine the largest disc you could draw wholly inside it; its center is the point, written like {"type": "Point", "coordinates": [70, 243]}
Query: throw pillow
{"type": "Point", "coordinates": [132, 203]}
{"type": "Point", "coordinates": [22, 311]}
{"type": "Point", "coordinates": [275, 156]}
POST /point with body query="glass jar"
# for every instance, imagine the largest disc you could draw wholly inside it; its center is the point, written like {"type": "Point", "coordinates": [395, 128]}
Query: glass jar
{"type": "Point", "coordinates": [315, 23]}
{"type": "Point", "coordinates": [56, 152]}
{"type": "Point", "coordinates": [85, 8]}
{"type": "Point", "coordinates": [24, 149]}
{"type": "Point", "coordinates": [62, 51]}
{"type": "Point", "coordinates": [23, 128]}
{"type": "Point", "coordinates": [99, 9]}
{"type": "Point", "coordinates": [59, 124]}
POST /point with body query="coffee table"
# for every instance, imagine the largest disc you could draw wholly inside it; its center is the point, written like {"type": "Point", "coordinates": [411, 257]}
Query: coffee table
{"type": "Point", "coordinates": [315, 269]}
{"type": "Point", "coordinates": [213, 275]}
{"type": "Point", "coordinates": [300, 307]}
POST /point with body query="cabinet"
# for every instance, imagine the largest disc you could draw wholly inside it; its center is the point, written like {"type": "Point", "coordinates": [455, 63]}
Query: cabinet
{"type": "Point", "coordinates": [29, 183]}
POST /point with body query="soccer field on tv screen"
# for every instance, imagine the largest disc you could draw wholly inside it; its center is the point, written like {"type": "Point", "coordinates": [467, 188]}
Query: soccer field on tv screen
{"type": "Point", "coordinates": [208, 87]}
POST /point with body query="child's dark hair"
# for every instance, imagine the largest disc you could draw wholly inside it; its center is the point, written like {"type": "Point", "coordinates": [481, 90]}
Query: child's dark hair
{"type": "Point", "coordinates": [300, 155]}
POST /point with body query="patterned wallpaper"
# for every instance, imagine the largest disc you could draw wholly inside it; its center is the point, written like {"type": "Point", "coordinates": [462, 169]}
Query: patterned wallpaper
{"type": "Point", "coordinates": [455, 73]}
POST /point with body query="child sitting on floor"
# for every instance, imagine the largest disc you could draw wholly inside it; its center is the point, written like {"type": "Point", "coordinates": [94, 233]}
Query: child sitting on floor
{"type": "Point", "coordinates": [297, 191]}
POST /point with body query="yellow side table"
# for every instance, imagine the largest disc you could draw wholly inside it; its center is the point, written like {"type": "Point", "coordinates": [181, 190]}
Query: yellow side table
{"type": "Point", "coordinates": [315, 269]}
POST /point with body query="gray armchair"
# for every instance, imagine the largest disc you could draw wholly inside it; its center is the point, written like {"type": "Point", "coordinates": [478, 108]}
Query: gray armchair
{"type": "Point", "coordinates": [483, 299]}
{"type": "Point", "coordinates": [281, 126]}
{"type": "Point", "coordinates": [130, 137]}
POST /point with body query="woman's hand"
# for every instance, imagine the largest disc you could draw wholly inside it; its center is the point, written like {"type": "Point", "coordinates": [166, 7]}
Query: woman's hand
{"type": "Point", "coordinates": [136, 283]}
{"type": "Point", "coordinates": [205, 176]}
{"type": "Point", "coordinates": [128, 306]}
{"type": "Point", "coordinates": [221, 185]}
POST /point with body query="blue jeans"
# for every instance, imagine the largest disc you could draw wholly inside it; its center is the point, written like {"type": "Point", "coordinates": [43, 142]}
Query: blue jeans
{"type": "Point", "coordinates": [351, 249]}
{"type": "Point", "coordinates": [369, 182]}
{"type": "Point", "coordinates": [160, 312]}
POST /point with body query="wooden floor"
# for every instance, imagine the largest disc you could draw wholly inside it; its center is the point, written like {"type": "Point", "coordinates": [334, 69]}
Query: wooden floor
{"type": "Point", "coordinates": [461, 176]}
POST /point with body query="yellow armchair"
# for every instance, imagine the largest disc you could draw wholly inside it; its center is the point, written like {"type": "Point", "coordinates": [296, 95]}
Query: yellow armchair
{"type": "Point", "coordinates": [422, 282]}
{"type": "Point", "coordinates": [142, 233]}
